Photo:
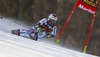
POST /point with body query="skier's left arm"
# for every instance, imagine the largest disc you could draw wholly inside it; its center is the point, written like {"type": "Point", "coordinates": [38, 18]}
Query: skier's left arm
{"type": "Point", "coordinates": [53, 33]}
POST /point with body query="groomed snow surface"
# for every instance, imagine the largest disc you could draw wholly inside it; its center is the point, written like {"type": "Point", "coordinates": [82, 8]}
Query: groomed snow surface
{"type": "Point", "coordinates": [16, 46]}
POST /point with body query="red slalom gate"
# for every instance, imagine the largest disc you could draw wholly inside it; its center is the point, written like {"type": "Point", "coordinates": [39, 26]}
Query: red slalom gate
{"type": "Point", "coordinates": [88, 7]}
{"type": "Point", "coordinates": [89, 34]}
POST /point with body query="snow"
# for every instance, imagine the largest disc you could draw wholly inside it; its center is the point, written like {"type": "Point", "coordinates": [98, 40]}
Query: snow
{"type": "Point", "coordinates": [16, 46]}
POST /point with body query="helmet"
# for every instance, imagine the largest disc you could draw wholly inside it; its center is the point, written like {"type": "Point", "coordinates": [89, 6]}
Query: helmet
{"type": "Point", "coordinates": [52, 18]}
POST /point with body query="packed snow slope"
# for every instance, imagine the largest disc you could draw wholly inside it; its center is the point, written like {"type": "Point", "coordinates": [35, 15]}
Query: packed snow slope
{"type": "Point", "coordinates": [16, 46]}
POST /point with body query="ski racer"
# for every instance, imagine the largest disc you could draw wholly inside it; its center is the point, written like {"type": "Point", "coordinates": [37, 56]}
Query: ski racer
{"type": "Point", "coordinates": [45, 28]}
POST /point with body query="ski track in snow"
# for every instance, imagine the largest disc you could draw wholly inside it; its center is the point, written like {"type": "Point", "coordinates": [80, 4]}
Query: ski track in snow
{"type": "Point", "coordinates": [16, 46]}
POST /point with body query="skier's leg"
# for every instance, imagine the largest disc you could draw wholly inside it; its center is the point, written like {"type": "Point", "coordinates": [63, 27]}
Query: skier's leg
{"type": "Point", "coordinates": [42, 35]}
{"type": "Point", "coordinates": [23, 31]}
{"type": "Point", "coordinates": [29, 31]}
{"type": "Point", "coordinates": [20, 31]}
{"type": "Point", "coordinates": [16, 32]}
{"type": "Point", "coordinates": [32, 33]}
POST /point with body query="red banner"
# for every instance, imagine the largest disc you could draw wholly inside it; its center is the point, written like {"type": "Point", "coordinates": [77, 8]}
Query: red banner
{"type": "Point", "coordinates": [88, 5]}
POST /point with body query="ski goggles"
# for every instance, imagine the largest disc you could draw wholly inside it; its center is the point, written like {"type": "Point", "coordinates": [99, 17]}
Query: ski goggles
{"type": "Point", "coordinates": [52, 21]}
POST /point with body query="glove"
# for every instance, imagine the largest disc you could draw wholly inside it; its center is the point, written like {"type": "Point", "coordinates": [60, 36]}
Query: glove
{"type": "Point", "coordinates": [38, 29]}
{"type": "Point", "coordinates": [49, 36]}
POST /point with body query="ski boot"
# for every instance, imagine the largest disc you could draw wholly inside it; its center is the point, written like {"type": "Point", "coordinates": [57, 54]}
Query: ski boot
{"type": "Point", "coordinates": [33, 38]}
{"type": "Point", "coordinates": [16, 32]}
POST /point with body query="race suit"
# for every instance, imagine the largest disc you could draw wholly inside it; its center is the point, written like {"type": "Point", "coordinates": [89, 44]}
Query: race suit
{"type": "Point", "coordinates": [45, 27]}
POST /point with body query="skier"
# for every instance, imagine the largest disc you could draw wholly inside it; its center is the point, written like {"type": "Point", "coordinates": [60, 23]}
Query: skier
{"type": "Point", "coordinates": [45, 28]}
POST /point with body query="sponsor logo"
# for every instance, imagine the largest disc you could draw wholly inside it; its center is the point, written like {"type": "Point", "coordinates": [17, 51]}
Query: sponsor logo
{"type": "Point", "coordinates": [88, 10]}
{"type": "Point", "coordinates": [92, 3]}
